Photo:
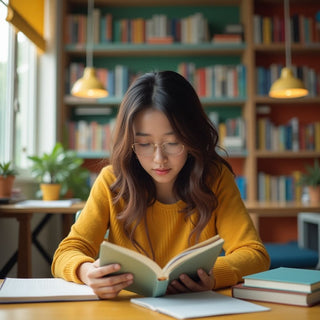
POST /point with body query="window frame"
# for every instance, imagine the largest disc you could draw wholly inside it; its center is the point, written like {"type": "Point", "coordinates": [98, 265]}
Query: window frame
{"type": "Point", "coordinates": [11, 107]}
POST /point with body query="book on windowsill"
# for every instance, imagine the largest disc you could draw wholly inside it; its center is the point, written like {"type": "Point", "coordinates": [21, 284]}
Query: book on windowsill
{"type": "Point", "coordinates": [276, 296]}
{"type": "Point", "coordinates": [291, 279]}
{"type": "Point", "coordinates": [19, 290]}
{"type": "Point", "coordinates": [152, 280]}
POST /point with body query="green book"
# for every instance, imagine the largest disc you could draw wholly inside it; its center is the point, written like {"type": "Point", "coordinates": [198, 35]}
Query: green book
{"type": "Point", "coordinates": [151, 280]}
{"type": "Point", "coordinates": [291, 279]}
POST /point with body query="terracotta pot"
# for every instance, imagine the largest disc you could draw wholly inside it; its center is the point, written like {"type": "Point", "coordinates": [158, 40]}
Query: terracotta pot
{"type": "Point", "coordinates": [314, 194]}
{"type": "Point", "coordinates": [50, 191]}
{"type": "Point", "coordinates": [6, 185]}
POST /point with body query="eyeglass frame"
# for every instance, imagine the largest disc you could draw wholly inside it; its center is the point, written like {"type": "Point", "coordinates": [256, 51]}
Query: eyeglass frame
{"type": "Point", "coordinates": [155, 145]}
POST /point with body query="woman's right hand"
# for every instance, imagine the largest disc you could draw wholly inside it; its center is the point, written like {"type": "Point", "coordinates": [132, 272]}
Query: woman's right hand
{"type": "Point", "coordinates": [100, 279]}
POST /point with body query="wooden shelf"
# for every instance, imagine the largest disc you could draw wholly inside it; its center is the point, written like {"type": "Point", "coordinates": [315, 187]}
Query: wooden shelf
{"type": "Point", "coordinates": [297, 101]}
{"type": "Point", "coordinates": [115, 101]}
{"type": "Point", "coordinates": [310, 48]}
{"type": "Point", "coordinates": [287, 154]}
{"type": "Point", "coordinates": [146, 3]}
{"type": "Point", "coordinates": [142, 50]}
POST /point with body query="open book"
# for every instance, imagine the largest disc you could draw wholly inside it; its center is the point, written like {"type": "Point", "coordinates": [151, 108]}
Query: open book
{"type": "Point", "coordinates": [15, 290]}
{"type": "Point", "coordinates": [149, 278]}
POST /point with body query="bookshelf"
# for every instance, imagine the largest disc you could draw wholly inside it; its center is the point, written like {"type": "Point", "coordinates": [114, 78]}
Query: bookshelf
{"type": "Point", "coordinates": [250, 106]}
{"type": "Point", "coordinates": [281, 162]}
{"type": "Point", "coordinates": [191, 54]}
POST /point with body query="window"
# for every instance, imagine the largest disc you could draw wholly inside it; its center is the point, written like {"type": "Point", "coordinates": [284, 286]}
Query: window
{"type": "Point", "coordinates": [18, 65]}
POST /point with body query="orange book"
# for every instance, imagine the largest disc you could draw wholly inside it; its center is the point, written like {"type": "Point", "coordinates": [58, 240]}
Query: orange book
{"type": "Point", "coordinates": [160, 40]}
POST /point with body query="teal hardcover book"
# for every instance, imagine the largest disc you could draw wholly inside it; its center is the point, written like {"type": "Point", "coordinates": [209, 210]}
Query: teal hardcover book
{"type": "Point", "coordinates": [292, 279]}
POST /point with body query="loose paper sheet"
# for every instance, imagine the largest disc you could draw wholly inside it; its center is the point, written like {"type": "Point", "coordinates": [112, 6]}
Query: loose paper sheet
{"type": "Point", "coordinates": [198, 304]}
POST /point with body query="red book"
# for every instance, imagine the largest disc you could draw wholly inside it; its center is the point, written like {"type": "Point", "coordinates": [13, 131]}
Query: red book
{"type": "Point", "coordinates": [201, 82]}
{"type": "Point", "coordinates": [227, 38]}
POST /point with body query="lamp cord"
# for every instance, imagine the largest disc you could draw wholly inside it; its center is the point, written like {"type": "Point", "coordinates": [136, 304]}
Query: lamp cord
{"type": "Point", "coordinates": [287, 33]}
{"type": "Point", "coordinates": [89, 51]}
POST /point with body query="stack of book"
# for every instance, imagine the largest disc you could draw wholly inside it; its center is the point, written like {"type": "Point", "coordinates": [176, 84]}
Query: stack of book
{"type": "Point", "coordinates": [292, 286]}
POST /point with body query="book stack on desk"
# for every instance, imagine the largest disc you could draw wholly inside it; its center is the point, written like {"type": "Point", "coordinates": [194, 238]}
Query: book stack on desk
{"type": "Point", "coordinates": [281, 285]}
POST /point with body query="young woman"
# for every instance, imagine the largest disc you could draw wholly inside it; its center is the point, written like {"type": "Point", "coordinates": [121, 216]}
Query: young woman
{"type": "Point", "coordinates": [166, 189]}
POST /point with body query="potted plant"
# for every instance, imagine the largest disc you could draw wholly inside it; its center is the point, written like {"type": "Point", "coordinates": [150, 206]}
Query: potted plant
{"type": "Point", "coordinates": [311, 179]}
{"type": "Point", "coordinates": [7, 177]}
{"type": "Point", "coordinates": [62, 171]}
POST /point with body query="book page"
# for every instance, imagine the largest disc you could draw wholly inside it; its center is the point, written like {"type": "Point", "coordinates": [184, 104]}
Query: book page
{"type": "Point", "coordinates": [43, 289]}
{"type": "Point", "coordinates": [213, 246]}
{"type": "Point", "coordinates": [192, 249]}
{"type": "Point", "coordinates": [197, 304]}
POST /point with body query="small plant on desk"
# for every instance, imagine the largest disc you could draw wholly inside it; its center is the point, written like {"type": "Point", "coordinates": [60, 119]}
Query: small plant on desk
{"type": "Point", "coordinates": [63, 169]}
{"type": "Point", "coordinates": [7, 177]}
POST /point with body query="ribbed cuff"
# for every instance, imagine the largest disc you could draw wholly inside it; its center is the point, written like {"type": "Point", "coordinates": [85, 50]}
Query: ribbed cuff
{"type": "Point", "coordinates": [223, 274]}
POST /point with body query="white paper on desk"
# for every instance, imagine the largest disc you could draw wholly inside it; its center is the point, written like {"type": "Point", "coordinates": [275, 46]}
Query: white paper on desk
{"type": "Point", "coordinates": [15, 290]}
{"type": "Point", "coordinates": [47, 204]}
{"type": "Point", "coordinates": [198, 304]}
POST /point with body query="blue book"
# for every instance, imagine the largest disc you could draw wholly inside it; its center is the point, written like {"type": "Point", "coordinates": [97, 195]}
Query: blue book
{"type": "Point", "coordinates": [291, 279]}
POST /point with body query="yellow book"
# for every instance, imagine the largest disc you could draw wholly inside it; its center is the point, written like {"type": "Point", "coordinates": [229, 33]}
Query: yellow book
{"type": "Point", "coordinates": [149, 278]}
{"type": "Point", "coordinates": [297, 188]}
{"type": "Point", "coordinates": [222, 133]}
{"type": "Point", "coordinates": [266, 30]}
{"type": "Point", "coordinates": [262, 134]}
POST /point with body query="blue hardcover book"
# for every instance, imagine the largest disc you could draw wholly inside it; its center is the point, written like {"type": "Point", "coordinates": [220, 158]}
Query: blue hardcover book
{"type": "Point", "coordinates": [291, 279]}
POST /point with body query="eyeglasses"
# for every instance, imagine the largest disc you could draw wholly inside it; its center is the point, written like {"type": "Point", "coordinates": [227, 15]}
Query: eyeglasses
{"type": "Point", "coordinates": [148, 149]}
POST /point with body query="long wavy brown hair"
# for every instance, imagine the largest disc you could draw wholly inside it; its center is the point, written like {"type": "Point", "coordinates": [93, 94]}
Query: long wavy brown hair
{"type": "Point", "coordinates": [173, 95]}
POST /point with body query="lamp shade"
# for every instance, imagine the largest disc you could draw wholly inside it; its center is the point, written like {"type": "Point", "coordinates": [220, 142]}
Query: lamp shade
{"type": "Point", "coordinates": [287, 86]}
{"type": "Point", "coordinates": [89, 86]}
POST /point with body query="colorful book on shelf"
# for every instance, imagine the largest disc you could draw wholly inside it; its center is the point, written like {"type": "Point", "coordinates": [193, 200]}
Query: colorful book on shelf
{"type": "Point", "coordinates": [291, 279]}
{"type": "Point", "coordinates": [152, 280]}
{"type": "Point", "coordinates": [227, 38]}
{"type": "Point", "coordinates": [276, 296]}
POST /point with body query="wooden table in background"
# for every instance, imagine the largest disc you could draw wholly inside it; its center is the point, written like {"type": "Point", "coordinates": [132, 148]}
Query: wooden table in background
{"type": "Point", "coordinates": [24, 216]}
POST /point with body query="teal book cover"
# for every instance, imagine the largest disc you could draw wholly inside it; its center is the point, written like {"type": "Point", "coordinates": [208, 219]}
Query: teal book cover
{"type": "Point", "coordinates": [303, 280]}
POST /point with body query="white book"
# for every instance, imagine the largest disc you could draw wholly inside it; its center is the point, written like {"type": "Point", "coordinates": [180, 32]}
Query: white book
{"type": "Point", "coordinates": [197, 304]}
{"type": "Point", "coordinates": [15, 290]}
{"type": "Point", "coordinates": [47, 204]}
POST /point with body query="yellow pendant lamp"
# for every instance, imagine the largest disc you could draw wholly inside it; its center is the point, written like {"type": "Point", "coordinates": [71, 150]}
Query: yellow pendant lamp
{"type": "Point", "coordinates": [89, 85]}
{"type": "Point", "coordinates": [287, 86]}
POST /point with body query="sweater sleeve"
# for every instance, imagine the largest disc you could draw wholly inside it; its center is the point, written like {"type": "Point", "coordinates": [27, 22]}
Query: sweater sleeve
{"type": "Point", "coordinates": [83, 242]}
{"type": "Point", "coordinates": [244, 252]}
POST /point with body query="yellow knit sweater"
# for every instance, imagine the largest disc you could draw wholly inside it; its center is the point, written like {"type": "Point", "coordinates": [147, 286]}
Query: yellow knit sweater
{"type": "Point", "coordinates": [244, 252]}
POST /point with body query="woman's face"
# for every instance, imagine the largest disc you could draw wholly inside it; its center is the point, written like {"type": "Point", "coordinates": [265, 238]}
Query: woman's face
{"type": "Point", "coordinates": [164, 161]}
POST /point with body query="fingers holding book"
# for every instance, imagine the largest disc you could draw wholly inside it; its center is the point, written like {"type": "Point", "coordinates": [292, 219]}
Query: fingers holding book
{"type": "Point", "coordinates": [203, 282]}
{"type": "Point", "coordinates": [103, 281]}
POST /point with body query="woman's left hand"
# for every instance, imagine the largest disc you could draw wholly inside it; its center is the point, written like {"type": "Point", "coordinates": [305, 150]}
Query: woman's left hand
{"type": "Point", "coordinates": [186, 284]}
